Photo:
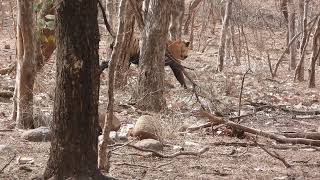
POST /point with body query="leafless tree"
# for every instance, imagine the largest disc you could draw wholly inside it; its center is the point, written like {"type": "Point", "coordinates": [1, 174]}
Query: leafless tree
{"type": "Point", "coordinates": [225, 25]}
{"type": "Point", "coordinates": [26, 66]}
{"type": "Point", "coordinates": [315, 55]}
{"type": "Point", "coordinates": [151, 74]}
{"type": "Point", "coordinates": [115, 56]}
{"type": "Point", "coordinates": [73, 152]}
{"type": "Point", "coordinates": [292, 31]}
{"type": "Point", "coordinates": [176, 17]}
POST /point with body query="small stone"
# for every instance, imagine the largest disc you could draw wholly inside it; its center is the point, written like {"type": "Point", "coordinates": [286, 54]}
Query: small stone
{"type": "Point", "coordinates": [7, 46]}
{"type": "Point", "coordinates": [37, 135]}
{"type": "Point", "coordinates": [150, 144]}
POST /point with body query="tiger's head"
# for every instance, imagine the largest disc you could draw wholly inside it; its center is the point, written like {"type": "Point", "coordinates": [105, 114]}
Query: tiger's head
{"type": "Point", "coordinates": [179, 49]}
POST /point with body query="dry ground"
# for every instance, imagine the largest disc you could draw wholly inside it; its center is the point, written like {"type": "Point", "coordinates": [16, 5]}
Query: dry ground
{"type": "Point", "coordinates": [228, 157]}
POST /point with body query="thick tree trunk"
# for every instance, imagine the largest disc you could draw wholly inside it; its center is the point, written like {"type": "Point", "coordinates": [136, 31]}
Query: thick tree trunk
{"type": "Point", "coordinates": [23, 98]}
{"type": "Point", "coordinates": [122, 67]}
{"type": "Point", "coordinates": [315, 56]}
{"type": "Point", "coordinates": [176, 17]}
{"type": "Point", "coordinates": [292, 32]}
{"type": "Point", "coordinates": [151, 74]}
{"type": "Point", "coordinates": [224, 31]}
{"type": "Point", "coordinates": [73, 150]}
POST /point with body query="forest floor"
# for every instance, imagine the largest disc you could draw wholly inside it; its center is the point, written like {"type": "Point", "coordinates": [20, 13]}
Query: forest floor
{"type": "Point", "coordinates": [227, 158]}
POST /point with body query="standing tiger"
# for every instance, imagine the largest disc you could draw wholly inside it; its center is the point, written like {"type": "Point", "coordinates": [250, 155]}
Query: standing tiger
{"type": "Point", "coordinates": [177, 49]}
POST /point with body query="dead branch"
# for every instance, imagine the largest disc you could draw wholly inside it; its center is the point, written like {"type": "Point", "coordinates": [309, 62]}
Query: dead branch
{"type": "Point", "coordinates": [306, 135]}
{"type": "Point", "coordinates": [129, 164]}
{"type": "Point", "coordinates": [201, 126]}
{"type": "Point", "coordinates": [241, 90]}
{"type": "Point", "coordinates": [270, 65]}
{"type": "Point", "coordinates": [274, 155]}
{"type": "Point", "coordinates": [278, 138]}
{"type": "Point", "coordinates": [181, 153]}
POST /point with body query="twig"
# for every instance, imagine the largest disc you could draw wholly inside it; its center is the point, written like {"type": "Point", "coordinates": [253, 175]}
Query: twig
{"type": "Point", "coordinates": [241, 90]}
{"type": "Point", "coordinates": [201, 126]}
{"type": "Point", "coordinates": [157, 154]}
{"type": "Point", "coordinates": [275, 155]}
{"type": "Point", "coordinates": [128, 164]}
{"type": "Point", "coordinates": [8, 163]}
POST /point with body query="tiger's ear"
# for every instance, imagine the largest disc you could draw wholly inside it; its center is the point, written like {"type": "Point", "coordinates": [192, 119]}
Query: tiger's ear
{"type": "Point", "coordinates": [187, 43]}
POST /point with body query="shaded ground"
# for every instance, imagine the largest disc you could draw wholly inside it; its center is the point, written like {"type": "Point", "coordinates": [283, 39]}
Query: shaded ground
{"type": "Point", "coordinates": [228, 158]}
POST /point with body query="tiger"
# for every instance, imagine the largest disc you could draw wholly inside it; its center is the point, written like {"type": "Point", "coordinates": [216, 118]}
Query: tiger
{"type": "Point", "coordinates": [178, 49]}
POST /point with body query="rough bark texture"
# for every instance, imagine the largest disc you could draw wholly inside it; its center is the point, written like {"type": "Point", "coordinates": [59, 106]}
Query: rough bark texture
{"type": "Point", "coordinates": [292, 32]}
{"type": "Point", "coordinates": [103, 157]}
{"type": "Point", "coordinates": [315, 56]}
{"type": "Point", "coordinates": [122, 67]}
{"type": "Point", "coordinates": [299, 72]}
{"type": "Point", "coordinates": [151, 74]}
{"type": "Point", "coordinates": [110, 12]}
{"type": "Point", "coordinates": [73, 150]}
{"type": "Point", "coordinates": [23, 98]}
{"type": "Point", "coordinates": [176, 17]}
{"type": "Point", "coordinates": [224, 31]}
{"type": "Point", "coordinates": [192, 8]}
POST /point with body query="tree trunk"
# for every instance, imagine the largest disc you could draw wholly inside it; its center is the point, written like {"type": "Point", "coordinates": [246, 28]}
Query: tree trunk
{"type": "Point", "coordinates": [192, 7]}
{"type": "Point", "coordinates": [103, 155]}
{"type": "Point", "coordinates": [110, 12]}
{"type": "Point", "coordinates": [73, 150]}
{"type": "Point", "coordinates": [23, 98]}
{"type": "Point", "coordinates": [299, 72]}
{"type": "Point", "coordinates": [291, 29]}
{"type": "Point", "coordinates": [221, 51]}
{"type": "Point", "coordinates": [151, 74]}
{"type": "Point", "coordinates": [122, 66]}
{"type": "Point", "coordinates": [176, 17]}
{"type": "Point", "coordinates": [315, 56]}
{"type": "Point", "coordinates": [284, 10]}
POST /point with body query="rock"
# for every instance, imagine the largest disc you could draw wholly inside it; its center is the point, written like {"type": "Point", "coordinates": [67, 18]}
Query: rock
{"type": "Point", "coordinates": [37, 135]}
{"type": "Point", "coordinates": [7, 46]}
{"type": "Point", "coordinates": [116, 124]}
{"type": "Point", "coordinates": [147, 127]}
{"type": "Point", "coordinates": [150, 144]}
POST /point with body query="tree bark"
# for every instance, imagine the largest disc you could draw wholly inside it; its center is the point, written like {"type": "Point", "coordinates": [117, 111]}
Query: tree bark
{"type": "Point", "coordinates": [299, 72]}
{"type": "Point", "coordinates": [23, 98]}
{"type": "Point", "coordinates": [151, 74]}
{"type": "Point", "coordinates": [284, 10]}
{"type": "Point", "coordinates": [115, 56]}
{"type": "Point", "coordinates": [122, 67]}
{"type": "Point", "coordinates": [292, 31]}
{"type": "Point", "coordinates": [315, 56]}
{"type": "Point", "coordinates": [225, 25]}
{"type": "Point", "coordinates": [176, 17]}
{"type": "Point", "coordinates": [73, 152]}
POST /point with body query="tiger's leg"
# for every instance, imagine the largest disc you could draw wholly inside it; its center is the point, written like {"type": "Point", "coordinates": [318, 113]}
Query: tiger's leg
{"type": "Point", "coordinates": [179, 75]}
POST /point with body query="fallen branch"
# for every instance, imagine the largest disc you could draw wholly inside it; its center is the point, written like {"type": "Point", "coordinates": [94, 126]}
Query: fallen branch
{"type": "Point", "coordinates": [278, 138]}
{"type": "Point", "coordinates": [8, 163]}
{"type": "Point", "coordinates": [275, 155]}
{"type": "Point", "coordinates": [201, 126]}
{"type": "Point", "coordinates": [128, 164]}
{"type": "Point", "coordinates": [307, 135]}
{"type": "Point", "coordinates": [157, 154]}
